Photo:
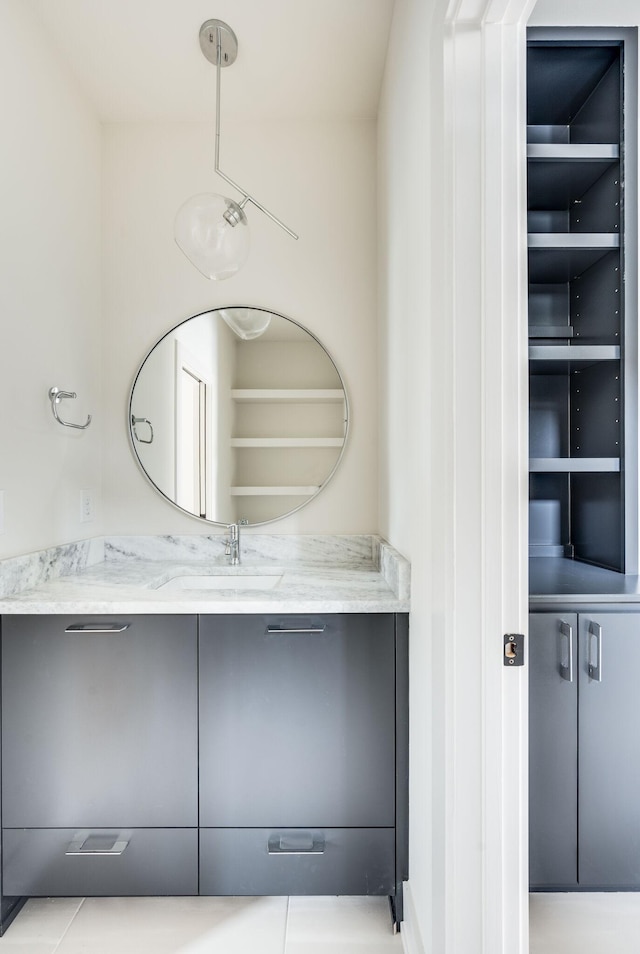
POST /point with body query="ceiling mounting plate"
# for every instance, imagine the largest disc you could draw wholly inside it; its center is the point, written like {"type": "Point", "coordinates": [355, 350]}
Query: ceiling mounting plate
{"type": "Point", "coordinates": [208, 42]}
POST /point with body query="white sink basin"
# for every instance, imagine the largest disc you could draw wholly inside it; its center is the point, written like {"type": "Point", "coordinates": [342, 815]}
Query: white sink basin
{"type": "Point", "coordinates": [223, 581]}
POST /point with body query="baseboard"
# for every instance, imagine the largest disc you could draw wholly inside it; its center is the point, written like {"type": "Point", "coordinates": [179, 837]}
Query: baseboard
{"type": "Point", "coordinates": [410, 932]}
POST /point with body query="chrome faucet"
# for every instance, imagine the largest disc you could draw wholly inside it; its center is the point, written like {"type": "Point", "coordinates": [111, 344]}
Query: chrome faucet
{"type": "Point", "coordinates": [232, 544]}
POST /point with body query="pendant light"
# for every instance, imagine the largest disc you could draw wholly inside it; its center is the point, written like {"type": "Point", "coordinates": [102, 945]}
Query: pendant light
{"type": "Point", "coordinates": [212, 230]}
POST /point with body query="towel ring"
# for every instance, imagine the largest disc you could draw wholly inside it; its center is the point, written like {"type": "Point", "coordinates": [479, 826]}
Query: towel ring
{"type": "Point", "coordinates": [142, 420]}
{"type": "Point", "coordinates": [55, 396]}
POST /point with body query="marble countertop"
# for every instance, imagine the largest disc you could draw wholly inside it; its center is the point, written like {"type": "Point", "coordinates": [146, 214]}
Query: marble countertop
{"type": "Point", "coordinates": [132, 583]}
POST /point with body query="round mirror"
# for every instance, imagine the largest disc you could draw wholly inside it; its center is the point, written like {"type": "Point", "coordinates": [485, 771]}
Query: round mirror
{"type": "Point", "coordinates": [238, 415]}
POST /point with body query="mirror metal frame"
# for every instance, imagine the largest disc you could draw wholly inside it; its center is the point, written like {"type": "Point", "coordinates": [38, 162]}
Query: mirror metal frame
{"type": "Point", "coordinates": [130, 426]}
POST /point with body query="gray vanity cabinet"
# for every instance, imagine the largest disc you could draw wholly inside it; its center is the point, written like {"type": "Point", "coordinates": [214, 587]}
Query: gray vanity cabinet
{"type": "Point", "coordinates": [298, 754]}
{"type": "Point", "coordinates": [301, 712]}
{"type": "Point", "coordinates": [99, 755]}
{"type": "Point", "coordinates": [282, 768]}
{"type": "Point", "coordinates": [585, 750]}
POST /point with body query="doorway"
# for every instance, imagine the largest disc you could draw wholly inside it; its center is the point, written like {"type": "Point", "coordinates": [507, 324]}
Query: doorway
{"type": "Point", "coordinates": [193, 448]}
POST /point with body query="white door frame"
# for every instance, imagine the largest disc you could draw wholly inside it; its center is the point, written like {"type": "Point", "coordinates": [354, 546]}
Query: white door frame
{"type": "Point", "coordinates": [481, 870]}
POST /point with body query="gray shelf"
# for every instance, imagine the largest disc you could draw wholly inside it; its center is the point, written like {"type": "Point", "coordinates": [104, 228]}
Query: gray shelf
{"type": "Point", "coordinates": [557, 580]}
{"type": "Point", "coordinates": [560, 359]}
{"type": "Point", "coordinates": [574, 465]}
{"type": "Point", "coordinates": [574, 240]}
{"type": "Point", "coordinates": [574, 152]}
{"type": "Point", "coordinates": [555, 265]}
{"type": "Point", "coordinates": [559, 175]}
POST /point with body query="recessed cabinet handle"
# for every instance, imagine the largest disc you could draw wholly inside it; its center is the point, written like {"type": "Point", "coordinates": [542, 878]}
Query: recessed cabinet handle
{"type": "Point", "coordinates": [276, 630]}
{"type": "Point", "coordinates": [77, 849]}
{"type": "Point", "coordinates": [97, 627]}
{"type": "Point", "coordinates": [566, 671]}
{"type": "Point", "coordinates": [296, 845]}
{"type": "Point", "coordinates": [595, 667]}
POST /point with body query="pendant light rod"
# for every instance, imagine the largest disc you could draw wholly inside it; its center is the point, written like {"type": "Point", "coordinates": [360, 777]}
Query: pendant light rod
{"type": "Point", "coordinates": [228, 52]}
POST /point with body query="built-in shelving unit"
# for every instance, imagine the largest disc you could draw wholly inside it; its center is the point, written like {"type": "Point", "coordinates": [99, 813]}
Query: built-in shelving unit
{"type": "Point", "coordinates": [580, 454]}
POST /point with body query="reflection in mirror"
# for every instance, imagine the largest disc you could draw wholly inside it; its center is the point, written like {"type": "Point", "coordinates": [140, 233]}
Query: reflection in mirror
{"type": "Point", "coordinates": [248, 416]}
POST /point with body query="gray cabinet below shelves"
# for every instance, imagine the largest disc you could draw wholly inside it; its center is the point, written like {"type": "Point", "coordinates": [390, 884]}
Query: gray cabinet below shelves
{"type": "Point", "coordinates": [609, 751]}
{"type": "Point", "coordinates": [584, 750]}
{"type": "Point", "coordinates": [553, 748]}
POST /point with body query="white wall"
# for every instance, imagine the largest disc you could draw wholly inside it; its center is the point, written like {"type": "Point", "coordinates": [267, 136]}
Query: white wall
{"type": "Point", "coordinates": [49, 292]}
{"type": "Point", "coordinates": [454, 486]}
{"type": "Point", "coordinates": [585, 13]}
{"type": "Point", "coordinates": [408, 495]}
{"type": "Point", "coordinates": [319, 177]}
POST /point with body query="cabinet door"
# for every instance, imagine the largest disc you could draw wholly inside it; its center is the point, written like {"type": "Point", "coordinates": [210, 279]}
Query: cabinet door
{"type": "Point", "coordinates": [99, 726]}
{"type": "Point", "coordinates": [553, 764]}
{"type": "Point", "coordinates": [609, 747]}
{"type": "Point", "coordinates": [297, 721]}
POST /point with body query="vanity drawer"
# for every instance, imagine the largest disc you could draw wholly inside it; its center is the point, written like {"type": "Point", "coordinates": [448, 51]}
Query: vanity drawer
{"type": "Point", "coordinates": [248, 861]}
{"type": "Point", "coordinates": [73, 862]}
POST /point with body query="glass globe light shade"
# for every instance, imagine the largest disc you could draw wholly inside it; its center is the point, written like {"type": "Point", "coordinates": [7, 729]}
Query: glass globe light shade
{"type": "Point", "coordinates": [213, 233]}
{"type": "Point", "coordinates": [246, 324]}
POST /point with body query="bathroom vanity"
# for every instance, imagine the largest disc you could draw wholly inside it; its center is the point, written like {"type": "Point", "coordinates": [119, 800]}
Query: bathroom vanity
{"type": "Point", "coordinates": [237, 749]}
{"type": "Point", "coordinates": [181, 718]}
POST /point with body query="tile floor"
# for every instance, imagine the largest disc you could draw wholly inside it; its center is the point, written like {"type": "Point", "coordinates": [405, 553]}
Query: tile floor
{"type": "Point", "coordinates": [559, 924]}
{"type": "Point", "coordinates": [584, 923]}
{"type": "Point", "coordinates": [202, 926]}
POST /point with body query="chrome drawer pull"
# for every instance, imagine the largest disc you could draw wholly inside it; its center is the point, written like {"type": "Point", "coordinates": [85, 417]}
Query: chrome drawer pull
{"type": "Point", "coordinates": [296, 845]}
{"type": "Point", "coordinates": [76, 848]}
{"type": "Point", "coordinates": [274, 630]}
{"type": "Point", "coordinates": [97, 627]}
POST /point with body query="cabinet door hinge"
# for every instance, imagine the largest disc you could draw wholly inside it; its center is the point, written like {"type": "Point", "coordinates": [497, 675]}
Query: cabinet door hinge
{"type": "Point", "coordinates": [513, 649]}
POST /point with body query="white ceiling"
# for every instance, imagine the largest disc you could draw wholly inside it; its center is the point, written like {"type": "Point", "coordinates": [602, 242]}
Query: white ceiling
{"type": "Point", "coordinates": [139, 60]}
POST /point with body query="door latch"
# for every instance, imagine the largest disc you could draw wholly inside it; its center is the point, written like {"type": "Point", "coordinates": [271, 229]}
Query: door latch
{"type": "Point", "coordinates": [513, 649]}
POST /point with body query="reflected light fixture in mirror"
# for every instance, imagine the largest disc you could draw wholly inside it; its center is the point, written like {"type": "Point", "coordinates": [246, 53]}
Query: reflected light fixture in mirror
{"type": "Point", "coordinates": [247, 323]}
{"type": "Point", "coordinates": [211, 229]}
